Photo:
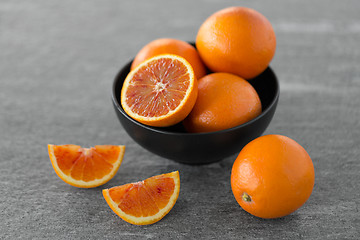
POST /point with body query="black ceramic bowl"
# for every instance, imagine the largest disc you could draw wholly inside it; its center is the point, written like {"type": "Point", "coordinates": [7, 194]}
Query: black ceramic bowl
{"type": "Point", "coordinates": [200, 148]}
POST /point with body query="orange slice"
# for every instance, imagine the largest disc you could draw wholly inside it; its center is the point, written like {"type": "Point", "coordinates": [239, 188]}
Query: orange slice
{"type": "Point", "coordinates": [161, 91]}
{"type": "Point", "coordinates": [147, 201]}
{"type": "Point", "coordinates": [86, 167]}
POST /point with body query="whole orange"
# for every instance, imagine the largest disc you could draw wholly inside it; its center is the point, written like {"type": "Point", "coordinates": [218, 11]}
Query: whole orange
{"type": "Point", "coordinates": [224, 101]}
{"type": "Point", "coordinates": [171, 46]}
{"type": "Point", "coordinates": [272, 176]}
{"type": "Point", "coordinates": [236, 40]}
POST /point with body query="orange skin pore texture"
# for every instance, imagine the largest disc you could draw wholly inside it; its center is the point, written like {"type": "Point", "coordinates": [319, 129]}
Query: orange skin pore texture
{"type": "Point", "coordinates": [236, 40]}
{"type": "Point", "coordinates": [272, 176]}
{"type": "Point", "coordinates": [224, 101]}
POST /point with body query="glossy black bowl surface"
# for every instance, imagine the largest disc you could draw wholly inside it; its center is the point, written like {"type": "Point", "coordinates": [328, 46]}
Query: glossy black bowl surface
{"type": "Point", "coordinates": [200, 148]}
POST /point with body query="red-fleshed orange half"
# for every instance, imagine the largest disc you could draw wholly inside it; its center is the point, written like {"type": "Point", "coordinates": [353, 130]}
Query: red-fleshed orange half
{"type": "Point", "coordinates": [161, 91]}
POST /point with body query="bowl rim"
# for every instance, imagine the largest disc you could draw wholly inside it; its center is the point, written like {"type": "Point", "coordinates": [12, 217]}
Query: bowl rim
{"type": "Point", "coordinates": [157, 130]}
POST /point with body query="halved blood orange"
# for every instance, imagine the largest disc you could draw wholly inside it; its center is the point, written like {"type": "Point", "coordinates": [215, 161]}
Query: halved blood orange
{"type": "Point", "coordinates": [161, 91]}
{"type": "Point", "coordinates": [86, 167]}
{"type": "Point", "coordinates": [144, 202]}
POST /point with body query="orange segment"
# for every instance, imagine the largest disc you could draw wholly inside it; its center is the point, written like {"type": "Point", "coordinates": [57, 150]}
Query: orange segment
{"type": "Point", "coordinates": [160, 92]}
{"type": "Point", "coordinates": [86, 167]}
{"type": "Point", "coordinates": [147, 201]}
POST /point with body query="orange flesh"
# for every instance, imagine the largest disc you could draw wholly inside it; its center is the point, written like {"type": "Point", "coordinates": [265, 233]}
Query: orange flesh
{"type": "Point", "coordinates": [86, 164]}
{"type": "Point", "coordinates": [158, 88]}
{"type": "Point", "coordinates": [143, 198]}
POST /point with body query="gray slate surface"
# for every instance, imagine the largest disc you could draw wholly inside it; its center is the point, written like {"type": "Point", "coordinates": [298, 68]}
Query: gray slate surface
{"type": "Point", "coordinates": [57, 63]}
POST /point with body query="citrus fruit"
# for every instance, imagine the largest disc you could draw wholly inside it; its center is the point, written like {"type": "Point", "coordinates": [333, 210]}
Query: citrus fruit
{"type": "Point", "coordinates": [171, 46]}
{"type": "Point", "coordinates": [272, 176]}
{"type": "Point", "coordinates": [147, 201]}
{"type": "Point", "coordinates": [236, 40]}
{"type": "Point", "coordinates": [86, 167]}
{"type": "Point", "coordinates": [160, 92]}
{"type": "Point", "coordinates": [224, 101]}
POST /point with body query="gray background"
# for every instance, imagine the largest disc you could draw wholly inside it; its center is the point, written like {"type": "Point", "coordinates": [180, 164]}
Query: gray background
{"type": "Point", "coordinates": [57, 63]}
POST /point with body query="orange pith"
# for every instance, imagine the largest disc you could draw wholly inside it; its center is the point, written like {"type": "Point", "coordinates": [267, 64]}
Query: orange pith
{"type": "Point", "coordinates": [160, 92]}
{"type": "Point", "coordinates": [144, 202]}
{"type": "Point", "coordinates": [86, 167]}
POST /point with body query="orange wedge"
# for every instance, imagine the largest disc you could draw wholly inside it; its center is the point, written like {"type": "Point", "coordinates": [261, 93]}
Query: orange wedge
{"type": "Point", "coordinates": [161, 91]}
{"type": "Point", "coordinates": [86, 167]}
{"type": "Point", "coordinates": [147, 201]}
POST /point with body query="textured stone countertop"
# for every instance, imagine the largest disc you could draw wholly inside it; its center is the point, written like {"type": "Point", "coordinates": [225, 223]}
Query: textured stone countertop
{"type": "Point", "coordinates": [57, 63]}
